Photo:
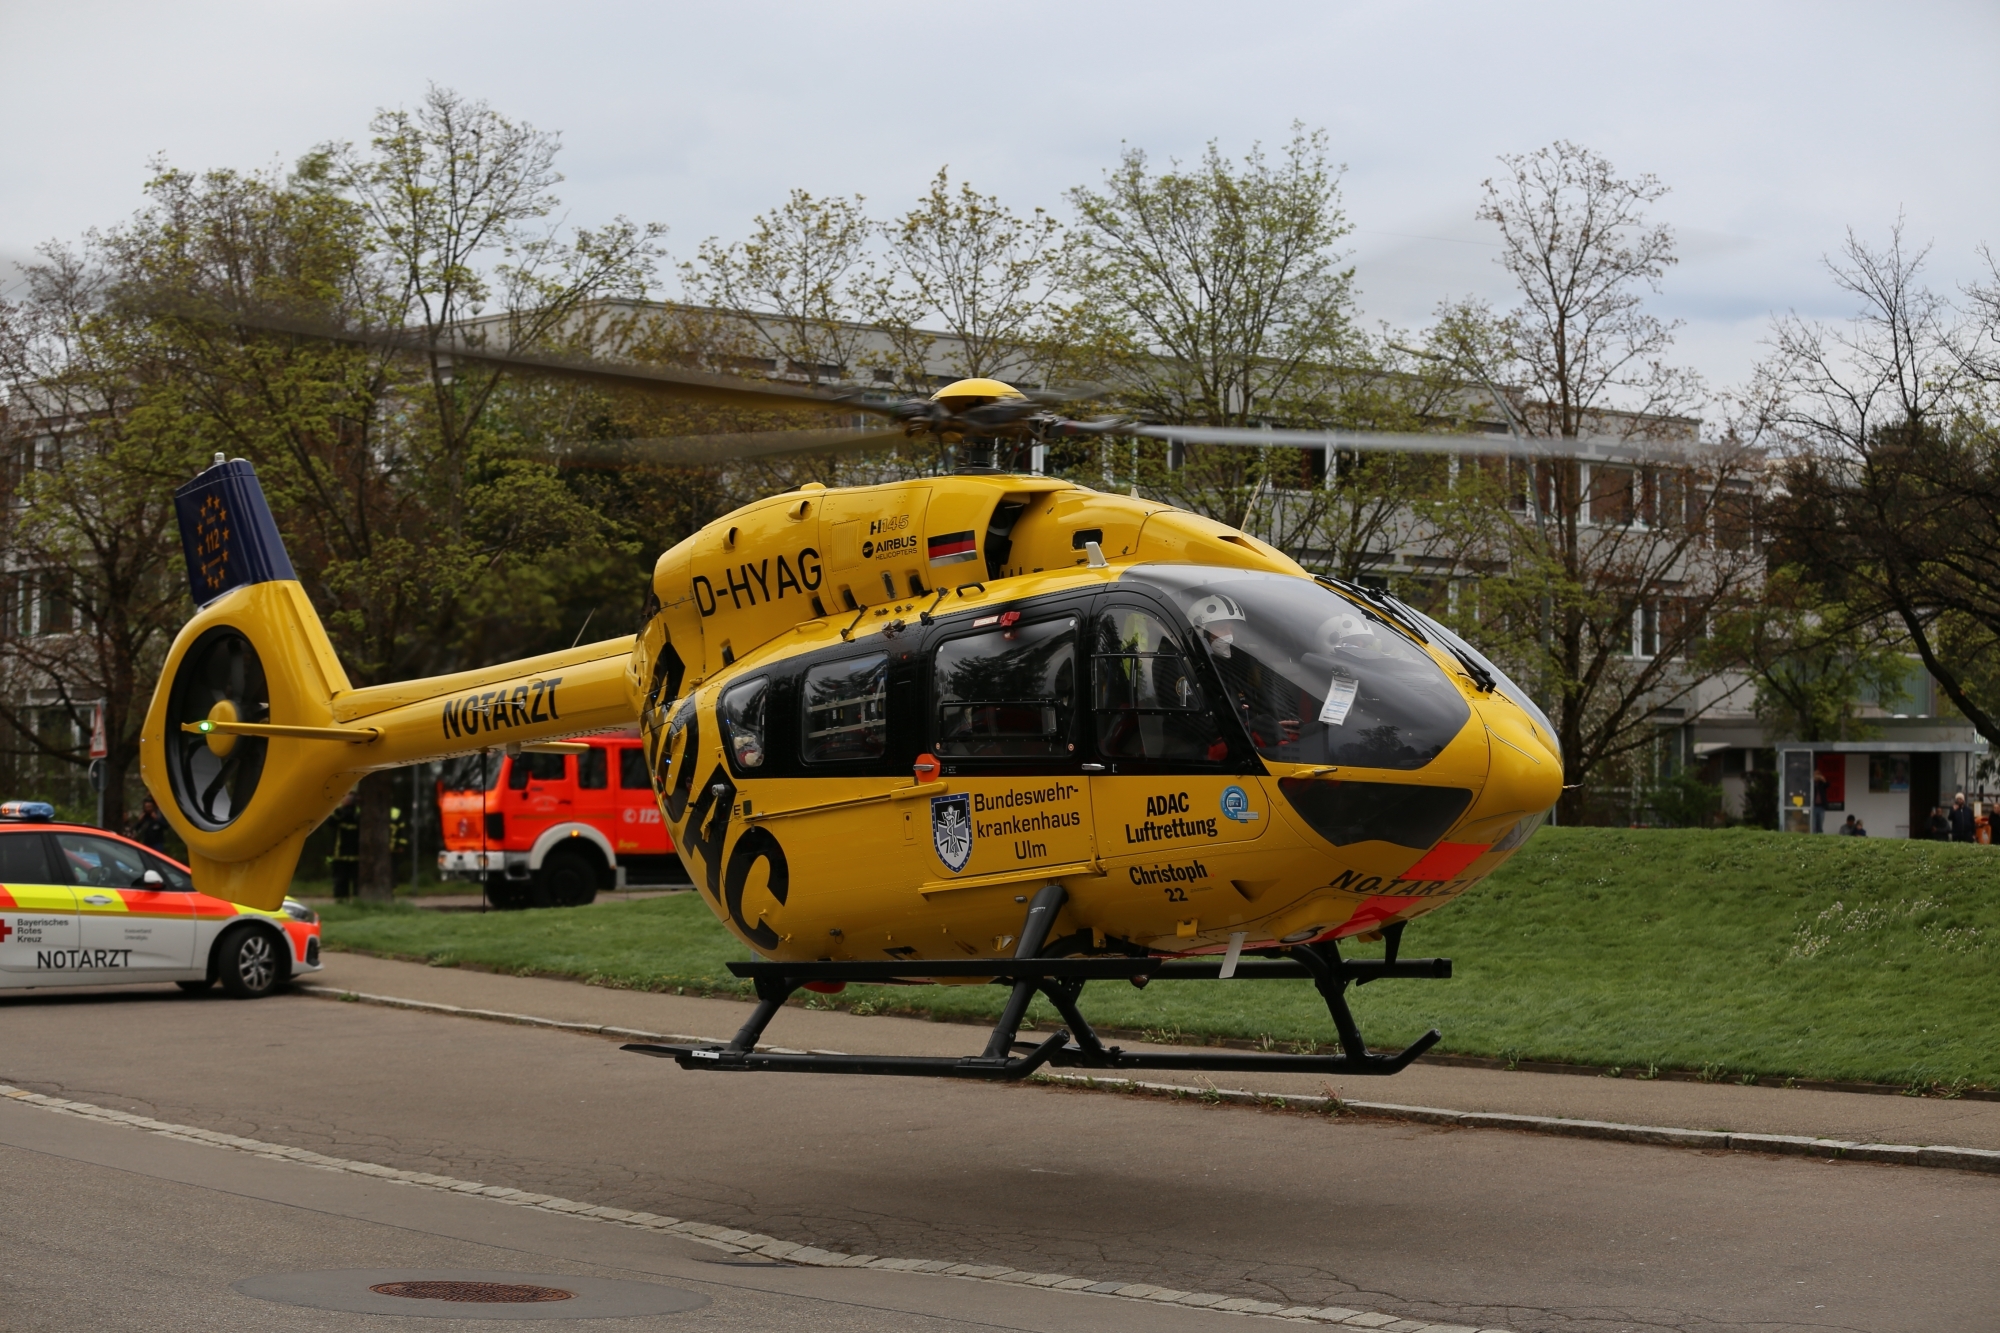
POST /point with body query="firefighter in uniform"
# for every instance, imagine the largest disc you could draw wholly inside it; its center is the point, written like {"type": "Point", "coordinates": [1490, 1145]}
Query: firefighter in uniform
{"type": "Point", "coordinates": [346, 858]}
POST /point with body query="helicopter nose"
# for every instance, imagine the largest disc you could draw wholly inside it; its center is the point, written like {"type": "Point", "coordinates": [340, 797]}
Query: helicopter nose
{"type": "Point", "coordinates": [1524, 772]}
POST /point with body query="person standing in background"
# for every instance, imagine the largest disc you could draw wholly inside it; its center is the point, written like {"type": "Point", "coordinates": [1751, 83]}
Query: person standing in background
{"type": "Point", "coordinates": [149, 827]}
{"type": "Point", "coordinates": [1961, 819]}
{"type": "Point", "coordinates": [1940, 825]}
{"type": "Point", "coordinates": [346, 858]}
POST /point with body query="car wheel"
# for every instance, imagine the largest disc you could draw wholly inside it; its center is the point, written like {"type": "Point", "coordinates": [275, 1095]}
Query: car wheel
{"type": "Point", "coordinates": [196, 987]}
{"type": "Point", "coordinates": [250, 964]}
{"type": "Point", "coordinates": [568, 878]}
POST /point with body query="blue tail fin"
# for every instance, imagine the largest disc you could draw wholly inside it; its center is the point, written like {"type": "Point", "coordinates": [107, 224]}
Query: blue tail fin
{"type": "Point", "coordinates": [227, 532]}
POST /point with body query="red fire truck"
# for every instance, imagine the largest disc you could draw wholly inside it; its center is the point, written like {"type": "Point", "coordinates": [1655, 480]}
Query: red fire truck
{"type": "Point", "coordinates": [552, 830]}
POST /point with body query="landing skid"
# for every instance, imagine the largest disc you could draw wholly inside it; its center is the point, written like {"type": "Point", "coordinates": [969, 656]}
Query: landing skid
{"type": "Point", "coordinates": [1062, 980]}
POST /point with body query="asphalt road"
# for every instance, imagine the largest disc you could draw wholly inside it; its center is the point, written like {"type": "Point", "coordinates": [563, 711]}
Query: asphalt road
{"type": "Point", "coordinates": [111, 1230]}
{"type": "Point", "coordinates": [1475, 1227]}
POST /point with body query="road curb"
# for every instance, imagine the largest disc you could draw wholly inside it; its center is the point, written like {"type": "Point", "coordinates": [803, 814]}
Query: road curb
{"type": "Point", "coordinates": [1792, 1145]}
{"type": "Point", "coordinates": [1936, 1155]}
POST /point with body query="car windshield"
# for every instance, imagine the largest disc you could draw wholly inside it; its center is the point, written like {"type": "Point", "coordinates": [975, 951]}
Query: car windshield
{"type": "Point", "coordinates": [1316, 678]}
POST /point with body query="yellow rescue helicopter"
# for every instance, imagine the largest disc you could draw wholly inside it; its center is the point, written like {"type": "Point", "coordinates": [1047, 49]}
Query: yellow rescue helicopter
{"type": "Point", "coordinates": [983, 727]}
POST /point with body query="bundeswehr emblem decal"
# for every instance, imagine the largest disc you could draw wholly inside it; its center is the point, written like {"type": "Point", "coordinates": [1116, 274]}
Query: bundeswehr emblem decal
{"type": "Point", "coordinates": [951, 829]}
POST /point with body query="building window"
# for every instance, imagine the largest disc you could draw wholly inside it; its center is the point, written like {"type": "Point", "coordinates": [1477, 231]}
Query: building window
{"type": "Point", "coordinates": [1610, 496]}
{"type": "Point", "coordinates": [54, 612]}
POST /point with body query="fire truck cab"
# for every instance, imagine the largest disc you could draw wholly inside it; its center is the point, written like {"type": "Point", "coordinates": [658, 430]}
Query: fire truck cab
{"type": "Point", "coordinates": [553, 830]}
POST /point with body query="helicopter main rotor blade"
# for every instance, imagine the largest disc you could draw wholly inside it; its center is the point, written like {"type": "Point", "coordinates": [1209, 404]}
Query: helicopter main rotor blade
{"type": "Point", "coordinates": [704, 450]}
{"type": "Point", "coordinates": [1605, 447]}
{"type": "Point", "coordinates": [695, 386]}
{"type": "Point", "coordinates": [1057, 394]}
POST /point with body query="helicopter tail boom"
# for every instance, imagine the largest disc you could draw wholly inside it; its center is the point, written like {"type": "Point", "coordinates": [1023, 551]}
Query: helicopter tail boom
{"type": "Point", "coordinates": [254, 733]}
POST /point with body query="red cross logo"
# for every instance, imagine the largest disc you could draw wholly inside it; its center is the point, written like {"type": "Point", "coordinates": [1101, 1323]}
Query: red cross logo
{"type": "Point", "coordinates": [5, 931]}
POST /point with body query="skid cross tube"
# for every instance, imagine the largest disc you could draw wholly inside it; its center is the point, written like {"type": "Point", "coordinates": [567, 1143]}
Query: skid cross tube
{"type": "Point", "coordinates": [1062, 980]}
{"type": "Point", "coordinates": [1083, 969]}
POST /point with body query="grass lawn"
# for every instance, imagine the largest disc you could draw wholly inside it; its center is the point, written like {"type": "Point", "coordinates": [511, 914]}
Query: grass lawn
{"type": "Point", "coordinates": [1732, 953]}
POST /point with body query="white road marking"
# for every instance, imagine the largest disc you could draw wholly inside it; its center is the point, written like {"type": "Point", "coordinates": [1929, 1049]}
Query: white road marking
{"type": "Point", "coordinates": [725, 1238]}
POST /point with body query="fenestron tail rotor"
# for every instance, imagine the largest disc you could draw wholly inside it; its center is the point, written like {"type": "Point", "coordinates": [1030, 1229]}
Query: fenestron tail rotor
{"type": "Point", "coordinates": [214, 774]}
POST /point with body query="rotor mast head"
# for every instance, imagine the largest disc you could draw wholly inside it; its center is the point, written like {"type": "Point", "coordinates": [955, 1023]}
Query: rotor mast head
{"type": "Point", "coordinates": [957, 397]}
{"type": "Point", "coordinates": [977, 450]}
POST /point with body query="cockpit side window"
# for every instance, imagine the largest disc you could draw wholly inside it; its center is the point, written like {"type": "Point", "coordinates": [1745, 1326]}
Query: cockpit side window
{"type": "Point", "coordinates": [1007, 694]}
{"type": "Point", "coordinates": [1147, 699]}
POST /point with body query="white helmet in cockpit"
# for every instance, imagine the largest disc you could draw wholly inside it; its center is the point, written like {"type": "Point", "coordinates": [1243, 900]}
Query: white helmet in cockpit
{"type": "Point", "coordinates": [1217, 617]}
{"type": "Point", "coordinates": [1212, 607]}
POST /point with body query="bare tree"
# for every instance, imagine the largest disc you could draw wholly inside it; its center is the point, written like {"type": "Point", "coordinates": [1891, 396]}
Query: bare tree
{"type": "Point", "coordinates": [1892, 463]}
{"type": "Point", "coordinates": [1612, 568]}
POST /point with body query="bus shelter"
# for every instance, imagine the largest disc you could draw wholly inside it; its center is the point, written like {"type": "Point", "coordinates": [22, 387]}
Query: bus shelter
{"type": "Point", "coordinates": [1891, 787]}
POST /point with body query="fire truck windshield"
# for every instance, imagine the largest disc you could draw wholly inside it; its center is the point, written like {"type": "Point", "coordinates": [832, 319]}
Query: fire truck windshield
{"type": "Point", "coordinates": [470, 772]}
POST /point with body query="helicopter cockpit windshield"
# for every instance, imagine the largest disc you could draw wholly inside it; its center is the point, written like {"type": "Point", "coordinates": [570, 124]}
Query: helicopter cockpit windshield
{"type": "Point", "coordinates": [1316, 678]}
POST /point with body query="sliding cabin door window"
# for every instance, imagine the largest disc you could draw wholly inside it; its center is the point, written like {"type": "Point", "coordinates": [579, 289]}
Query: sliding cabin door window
{"type": "Point", "coordinates": [1008, 694]}
{"type": "Point", "coordinates": [1147, 699]}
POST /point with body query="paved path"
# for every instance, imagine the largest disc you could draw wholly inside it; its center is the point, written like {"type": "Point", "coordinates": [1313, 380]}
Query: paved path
{"type": "Point", "coordinates": [1481, 1228]}
{"type": "Point", "coordinates": [1862, 1117]}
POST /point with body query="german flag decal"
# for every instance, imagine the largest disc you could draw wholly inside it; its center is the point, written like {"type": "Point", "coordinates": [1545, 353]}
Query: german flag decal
{"type": "Point", "coordinates": [954, 547]}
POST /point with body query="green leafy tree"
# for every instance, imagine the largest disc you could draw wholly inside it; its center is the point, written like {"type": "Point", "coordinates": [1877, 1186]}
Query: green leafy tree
{"type": "Point", "coordinates": [94, 591]}
{"type": "Point", "coordinates": [967, 265]}
{"type": "Point", "coordinates": [797, 287]}
{"type": "Point", "coordinates": [1218, 290]}
{"type": "Point", "coordinates": [1813, 661]}
{"type": "Point", "coordinates": [1209, 294]}
{"type": "Point", "coordinates": [1685, 801]}
{"type": "Point", "coordinates": [431, 528]}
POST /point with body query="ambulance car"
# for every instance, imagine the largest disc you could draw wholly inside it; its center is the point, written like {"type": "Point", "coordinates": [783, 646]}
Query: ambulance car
{"type": "Point", "coordinates": [83, 907]}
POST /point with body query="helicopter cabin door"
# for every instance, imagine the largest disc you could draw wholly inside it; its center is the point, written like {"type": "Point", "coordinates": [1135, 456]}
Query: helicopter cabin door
{"type": "Point", "coordinates": [1177, 793]}
{"type": "Point", "coordinates": [1004, 720]}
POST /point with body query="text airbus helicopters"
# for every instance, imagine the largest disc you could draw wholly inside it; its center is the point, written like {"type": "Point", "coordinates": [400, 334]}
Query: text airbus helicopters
{"type": "Point", "coordinates": [981, 727]}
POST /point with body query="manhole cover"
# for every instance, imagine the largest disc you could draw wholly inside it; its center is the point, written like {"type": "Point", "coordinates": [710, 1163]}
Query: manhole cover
{"type": "Point", "coordinates": [460, 1293]}
{"type": "Point", "coordinates": [484, 1293]}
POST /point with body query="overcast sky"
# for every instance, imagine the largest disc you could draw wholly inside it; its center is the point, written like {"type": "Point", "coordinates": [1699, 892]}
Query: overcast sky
{"type": "Point", "coordinates": [1777, 126]}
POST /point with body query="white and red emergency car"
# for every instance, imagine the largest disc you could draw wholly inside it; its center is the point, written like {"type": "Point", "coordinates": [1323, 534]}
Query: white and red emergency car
{"type": "Point", "coordinates": [83, 907]}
